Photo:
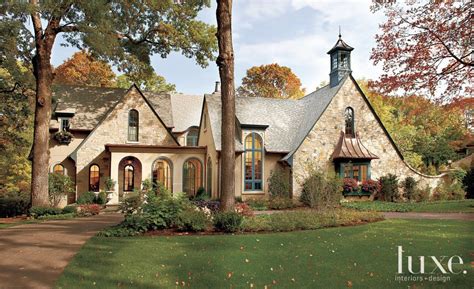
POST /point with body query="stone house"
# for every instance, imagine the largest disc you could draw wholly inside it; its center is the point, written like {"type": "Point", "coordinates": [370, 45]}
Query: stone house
{"type": "Point", "coordinates": [175, 139]}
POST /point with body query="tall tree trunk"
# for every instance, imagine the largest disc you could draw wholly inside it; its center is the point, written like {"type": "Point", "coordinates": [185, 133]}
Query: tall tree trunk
{"type": "Point", "coordinates": [44, 78]}
{"type": "Point", "coordinates": [225, 61]}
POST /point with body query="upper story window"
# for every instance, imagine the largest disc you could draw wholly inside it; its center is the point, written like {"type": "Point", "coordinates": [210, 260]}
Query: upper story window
{"type": "Point", "coordinates": [349, 121]}
{"type": "Point", "coordinates": [192, 137]}
{"type": "Point", "coordinates": [253, 166]}
{"type": "Point", "coordinates": [64, 123]}
{"type": "Point", "coordinates": [133, 125]}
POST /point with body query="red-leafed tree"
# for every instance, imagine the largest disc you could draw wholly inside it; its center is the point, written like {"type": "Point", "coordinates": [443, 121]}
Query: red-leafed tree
{"type": "Point", "coordinates": [425, 48]}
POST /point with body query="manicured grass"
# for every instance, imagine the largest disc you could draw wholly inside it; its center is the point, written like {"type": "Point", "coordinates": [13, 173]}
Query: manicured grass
{"type": "Point", "coordinates": [461, 206]}
{"type": "Point", "coordinates": [8, 225]}
{"type": "Point", "coordinates": [359, 257]}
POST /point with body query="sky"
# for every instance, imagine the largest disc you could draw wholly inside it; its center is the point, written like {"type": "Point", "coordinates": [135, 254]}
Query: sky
{"type": "Point", "coordinates": [293, 33]}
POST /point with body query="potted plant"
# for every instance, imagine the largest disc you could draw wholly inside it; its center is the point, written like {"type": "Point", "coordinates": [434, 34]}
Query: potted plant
{"type": "Point", "coordinates": [109, 188]}
{"type": "Point", "coordinates": [350, 186]}
{"type": "Point", "coordinates": [370, 187]}
{"type": "Point", "coordinates": [63, 137]}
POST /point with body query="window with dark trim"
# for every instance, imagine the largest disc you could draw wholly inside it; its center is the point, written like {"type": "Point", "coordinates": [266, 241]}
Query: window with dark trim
{"type": "Point", "coordinates": [192, 174]}
{"type": "Point", "coordinates": [58, 169]}
{"type": "Point", "coordinates": [162, 173]}
{"type": "Point", "coordinates": [128, 178]}
{"type": "Point", "coordinates": [192, 137]}
{"type": "Point", "coordinates": [94, 178]}
{"type": "Point", "coordinates": [65, 124]}
{"type": "Point", "coordinates": [357, 171]}
{"type": "Point", "coordinates": [253, 158]}
{"type": "Point", "coordinates": [349, 121]}
{"type": "Point", "coordinates": [133, 125]}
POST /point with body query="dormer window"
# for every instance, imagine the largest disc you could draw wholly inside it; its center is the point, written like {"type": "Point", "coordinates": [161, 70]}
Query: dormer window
{"type": "Point", "coordinates": [133, 125]}
{"type": "Point", "coordinates": [64, 123]}
{"type": "Point", "coordinates": [192, 137]}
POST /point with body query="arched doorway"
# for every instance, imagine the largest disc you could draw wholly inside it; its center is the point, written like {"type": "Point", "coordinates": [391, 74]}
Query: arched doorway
{"type": "Point", "coordinates": [130, 175]}
{"type": "Point", "coordinates": [192, 176]}
{"type": "Point", "coordinates": [162, 172]}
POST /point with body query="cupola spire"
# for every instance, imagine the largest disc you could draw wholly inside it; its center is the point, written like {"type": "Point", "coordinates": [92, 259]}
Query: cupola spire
{"type": "Point", "coordinates": [340, 56]}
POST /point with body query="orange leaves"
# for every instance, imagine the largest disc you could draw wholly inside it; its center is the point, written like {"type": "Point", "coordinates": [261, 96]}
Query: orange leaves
{"type": "Point", "coordinates": [272, 81]}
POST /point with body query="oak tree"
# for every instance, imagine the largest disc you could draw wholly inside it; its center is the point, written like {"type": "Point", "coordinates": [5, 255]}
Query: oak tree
{"type": "Point", "coordinates": [83, 69]}
{"type": "Point", "coordinates": [271, 80]}
{"type": "Point", "coordinates": [151, 82]}
{"type": "Point", "coordinates": [425, 48]}
{"type": "Point", "coordinates": [225, 62]}
{"type": "Point", "coordinates": [122, 32]}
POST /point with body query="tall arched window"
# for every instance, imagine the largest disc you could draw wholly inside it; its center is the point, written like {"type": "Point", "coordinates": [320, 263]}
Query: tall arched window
{"type": "Point", "coordinates": [349, 120]}
{"type": "Point", "coordinates": [128, 178]}
{"type": "Point", "coordinates": [94, 178]}
{"type": "Point", "coordinates": [133, 125]}
{"type": "Point", "coordinates": [58, 169]}
{"type": "Point", "coordinates": [162, 173]}
{"type": "Point", "coordinates": [253, 162]}
{"type": "Point", "coordinates": [192, 174]}
{"type": "Point", "coordinates": [209, 176]}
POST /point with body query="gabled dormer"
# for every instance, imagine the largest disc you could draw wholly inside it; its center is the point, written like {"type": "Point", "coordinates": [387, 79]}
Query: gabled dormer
{"type": "Point", "coordinates": [340, 61]}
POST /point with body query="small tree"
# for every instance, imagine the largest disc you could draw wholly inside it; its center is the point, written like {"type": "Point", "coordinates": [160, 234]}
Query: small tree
{"type": "Point", "coordinates": [409, 188]}
{"type": "Point", "coordinates": [59, 186]}
{"type": "Point", "coordinates": [278, 184]}
{"type": "Point", "coordinates": [321, 191]}
{"type": "Point", "coordinates": [389, 187]}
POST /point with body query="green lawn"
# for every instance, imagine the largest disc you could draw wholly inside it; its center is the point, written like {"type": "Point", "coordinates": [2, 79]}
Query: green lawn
{"type": "Point", "coordinates": [359, 257]}
{"type": "Point", "coordinates": [461, 206]}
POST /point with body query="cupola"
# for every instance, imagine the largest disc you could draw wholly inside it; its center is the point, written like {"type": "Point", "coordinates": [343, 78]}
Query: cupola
{"type": "Point", "coordinates": [340, 61]}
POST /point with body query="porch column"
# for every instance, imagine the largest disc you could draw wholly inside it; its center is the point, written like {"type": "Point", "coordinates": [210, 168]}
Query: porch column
{"type": "Point", "coordinates": [114, 175]}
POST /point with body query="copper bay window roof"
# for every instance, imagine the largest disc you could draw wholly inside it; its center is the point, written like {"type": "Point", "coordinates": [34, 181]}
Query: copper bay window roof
{"type": "Point", "coordinates": [350, 147]}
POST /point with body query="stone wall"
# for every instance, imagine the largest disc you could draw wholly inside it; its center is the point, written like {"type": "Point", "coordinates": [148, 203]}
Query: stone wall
{"type": "Point", "coordinates": [114, 130]}
{"type": "Point", "coordinates": [319, 144]}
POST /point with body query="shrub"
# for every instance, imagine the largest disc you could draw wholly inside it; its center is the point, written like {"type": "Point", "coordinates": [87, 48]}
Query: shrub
{"type": "Point", "coordinates": [320, 191]}
{"type": "Point", "coordinates": [201, 194]}
{"type": "Point", "coordinates": [227, 221]}
{"type": "Point", "coordinates": [132, 204]}
{"type": "Point", "coordinates": [162, 212]}
{"type": "Point", "coordinates": [389, 187]}
{"type": "Point", "coordinates": [59, 186]}
{"type": "Point", "coordinates": [243, 209]}
{"type": "Point", "coordinates": [213, 206]}
{"type": "Point", "coordinates": [423, 194]}
{"type": "Point", "coordinates": [449, 190]}
{"type": "Point", "coordinates": [88, 210]}
{"type": "Point", "coordinates": [61, 216]}
{"type": "Point", "coordinates": [256, 223]}
{"type": "Point", "coordinates": [14, 204]}
{"type": "Point", "coordinates": [280, 203]}
{"type": "Point", "coordinates": [350, 185]}
{"type": "Point", "coordinates": [69, 210]}
{"type": "Point", "coordinates": [192, 219]}
{"type": "Point", "coordinates": [86, 198]}
{"type": "Point", "coordinates": [258, 204]}
{"type": "Point", "coordinates": [101, 198]}
{"type": "Point", "coordinates": [238, 199]}
{"type": "Point", "coordinates": [36, 212]}
{"type": "Point", "coordinates": [468, 182]}
{"type": "Point", "coordinates": [278, 183]}
{"type": "Point", "coordinates": [409, 188]}
{"type": "Point", "coordinates": [371, 186]}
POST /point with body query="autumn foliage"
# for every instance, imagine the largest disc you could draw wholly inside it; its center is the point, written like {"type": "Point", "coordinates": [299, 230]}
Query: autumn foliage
{"type": "Point", "coordinates": [83, 69]}
{"type": "Point", "coordinates": [271, 80]}
{"type": "Point", "coordinates": [425, 48]}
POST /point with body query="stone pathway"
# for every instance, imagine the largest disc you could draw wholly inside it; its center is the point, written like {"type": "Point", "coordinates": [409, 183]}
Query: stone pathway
{"type": "Point", "coordinates": [432, 216]}
{"type": "Point", "coordinates": [35, 255]}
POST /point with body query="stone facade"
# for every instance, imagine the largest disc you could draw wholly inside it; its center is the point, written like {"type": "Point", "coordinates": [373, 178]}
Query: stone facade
{"type": "Point", "coordinates": [318, 146]}
{"type": "Point", "coordinates": [114, 130]}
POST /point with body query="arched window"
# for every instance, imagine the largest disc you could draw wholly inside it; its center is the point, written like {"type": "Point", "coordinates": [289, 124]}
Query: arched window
{"type": "Point", "coordinates": [192, 174]}
{"type": "Point", "coordinates": [253, 162]}
{"type": "Point", "coordinates": [133, 125]}
{"type": "Point", "coordinates": [162, 173]}
{"type": "Point", "coordinates": [192, 137]}
{"type": "Point", "coordinates": [209, 176]}
{"type": "Point", "coordinates": [128, 178]}
{"type": "Point", "coordinates": [58, 169]}
{"type": "Point", "coordinates": [94, 178]}
{"type": "Point", "coordinates": [349, 120]}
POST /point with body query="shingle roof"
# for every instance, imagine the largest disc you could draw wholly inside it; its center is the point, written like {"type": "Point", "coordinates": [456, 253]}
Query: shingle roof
{"type": "Point", "coordinates": [90, 104]}
{"type": "Point", "coordinates": [288, 120]}
{"type": "Point", "coordinates": [340, 45]}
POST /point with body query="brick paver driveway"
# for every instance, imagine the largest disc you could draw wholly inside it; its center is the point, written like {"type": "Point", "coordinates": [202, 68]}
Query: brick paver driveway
{"type": "Point", "coordinates": [35, 255]}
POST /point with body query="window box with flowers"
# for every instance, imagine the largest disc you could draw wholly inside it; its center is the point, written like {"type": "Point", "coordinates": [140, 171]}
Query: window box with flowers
{"type": "Point", "coordinates": [63, 137]}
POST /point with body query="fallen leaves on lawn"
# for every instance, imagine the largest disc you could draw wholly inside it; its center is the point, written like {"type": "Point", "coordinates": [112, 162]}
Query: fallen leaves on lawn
{"type": "Point", "coordinates": [349, 284]}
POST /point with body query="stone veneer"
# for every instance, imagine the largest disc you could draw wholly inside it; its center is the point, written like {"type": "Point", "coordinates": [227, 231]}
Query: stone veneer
{"type": "Point", "coordinates": [319, 144]}
{"type": "Point", "coordinates": [114, 130]}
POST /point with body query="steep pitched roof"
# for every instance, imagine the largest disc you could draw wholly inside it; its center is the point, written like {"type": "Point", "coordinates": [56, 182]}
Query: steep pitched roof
{"type": "Point", "coordinates": [91, 104]}
{"type": "Point", "coordinates": [350, 147]}
{"type": "Point", "coordinates": [288, 121]}
{"type": "Point", "coordinates": [340, 45]}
